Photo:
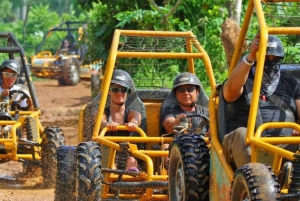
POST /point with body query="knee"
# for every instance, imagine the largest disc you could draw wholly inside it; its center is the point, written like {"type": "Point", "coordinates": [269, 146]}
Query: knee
{"type": "Point", "coordinates": [131, 162]}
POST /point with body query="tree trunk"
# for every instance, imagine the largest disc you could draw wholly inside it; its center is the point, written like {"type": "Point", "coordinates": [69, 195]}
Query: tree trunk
{"type": "Point", "coordinates": [237, 11]}
{"type": "Point", "coordinates": [229, 37]}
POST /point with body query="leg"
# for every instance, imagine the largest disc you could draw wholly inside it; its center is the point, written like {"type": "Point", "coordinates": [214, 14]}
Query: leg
{"type": "Point", "coordinates": [132, 164]}
{"type": "Point", "coordinates": [234, 148]}
{"type": "Point", "coordinates": [166, 158]}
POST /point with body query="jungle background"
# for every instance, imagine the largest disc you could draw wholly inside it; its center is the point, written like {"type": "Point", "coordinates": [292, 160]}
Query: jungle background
{"type": "Point", "coordinates": [30, 19]}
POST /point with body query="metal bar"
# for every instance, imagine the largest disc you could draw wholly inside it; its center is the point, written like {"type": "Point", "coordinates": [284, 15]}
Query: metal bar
{"type": "Point", "coordinates": [166, 55]}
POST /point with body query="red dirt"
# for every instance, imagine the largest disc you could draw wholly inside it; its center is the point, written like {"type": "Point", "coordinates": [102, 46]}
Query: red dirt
{"type": "Point", "coordinates": [60, 106]}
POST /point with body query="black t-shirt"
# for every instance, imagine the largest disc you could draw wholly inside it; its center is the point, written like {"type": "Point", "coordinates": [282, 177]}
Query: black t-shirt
{"type": "Point", "coordinates": [195, 121]}
{"type": "Point", "coordinates": [288, 89]}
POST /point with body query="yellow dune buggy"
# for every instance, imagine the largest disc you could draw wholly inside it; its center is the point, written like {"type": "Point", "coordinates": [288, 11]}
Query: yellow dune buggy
{"type": "Point", "coordinates": [68, 64]}
{"type": "Point", "coordinates": [22, 137]}
{"type": "Point", "coordinates": [259, 179]}
{"type": "Point", "coordinates": [86, 172]}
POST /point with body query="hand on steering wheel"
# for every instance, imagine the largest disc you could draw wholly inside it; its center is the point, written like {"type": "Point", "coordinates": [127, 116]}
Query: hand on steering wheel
{"type": "Point", "coordinates": [24, 95]}
{"type": "Point", "coordinates": [205, 120]}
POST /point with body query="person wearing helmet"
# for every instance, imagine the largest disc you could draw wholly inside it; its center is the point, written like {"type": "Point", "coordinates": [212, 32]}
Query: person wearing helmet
{"type": "Point", "coordinates": [117, 114]}
{"type": "Point", "coordinates": [186, 89]}
{"type": "Point", "coordinates": [10, 71]}
{"type": "Point", "coordinates": [275, 87]}
{"type": "Point", "coordinates": [64, 47]}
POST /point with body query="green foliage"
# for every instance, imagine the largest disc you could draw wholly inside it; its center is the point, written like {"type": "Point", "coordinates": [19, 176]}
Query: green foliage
{"type": "Point", "coordinates": [5, 10]}
{"type": "Point", "coordinates": [203, 18]}
{"type": "Point", "coordinates": [43, 15]}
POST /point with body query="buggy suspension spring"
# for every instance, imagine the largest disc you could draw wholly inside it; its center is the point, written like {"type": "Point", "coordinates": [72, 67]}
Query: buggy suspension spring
{"type": "Point", "coordinates": [121, 156]}
{"type": "Point", "coordinates": [295, 178]}
{"type": "Point", "coordinates": [29, 126]}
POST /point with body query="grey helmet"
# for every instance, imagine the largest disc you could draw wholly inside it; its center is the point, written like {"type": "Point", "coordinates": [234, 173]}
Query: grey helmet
{"type": "Point", "coordinates": [11, 64]}
{"type": "Point", "coordinates": [275, 46]}
{"type": "Point", "coordinates": [122, 78]}
{"type": "Point", "coordinates": [186, 78]}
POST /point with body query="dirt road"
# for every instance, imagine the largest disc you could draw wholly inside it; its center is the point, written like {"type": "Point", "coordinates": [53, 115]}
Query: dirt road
{"type": "Point", "coordinates": [60, 106]}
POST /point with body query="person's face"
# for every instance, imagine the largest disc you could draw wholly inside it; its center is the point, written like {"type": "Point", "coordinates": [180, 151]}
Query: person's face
{"type": "Point", "coordinates": [271, 68]}
{"type": "Point", "coordinates": [65, 44]}
{"type": "Point", "coordinates": [118, 93]}
{"type": "Point", "coordinates": [9, 77]}
{"type": "Point", "coordinates": [186, 94]}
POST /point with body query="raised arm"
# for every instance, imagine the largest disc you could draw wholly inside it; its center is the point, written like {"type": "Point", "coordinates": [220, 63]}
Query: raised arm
{"type": "Point", "coordinates": [233, 87]}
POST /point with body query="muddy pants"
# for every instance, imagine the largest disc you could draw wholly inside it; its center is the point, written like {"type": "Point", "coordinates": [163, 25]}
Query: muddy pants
{"type": "Point", "coordinates": [234, 147]}
{"type": "Point", "coordinates": [237, 153]}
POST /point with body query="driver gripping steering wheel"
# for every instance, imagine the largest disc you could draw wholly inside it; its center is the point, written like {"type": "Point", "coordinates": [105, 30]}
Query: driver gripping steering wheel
{"type": "Point", "coordinates": [9, 73]}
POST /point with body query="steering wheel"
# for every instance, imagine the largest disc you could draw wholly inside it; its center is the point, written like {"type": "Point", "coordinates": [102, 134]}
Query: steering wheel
{"type": "Point", "coordinates": [15, 105]}
{"type": "Point", "coordinates": [203, 123]}
{"type": "Point", "coordinates": [198, 115]}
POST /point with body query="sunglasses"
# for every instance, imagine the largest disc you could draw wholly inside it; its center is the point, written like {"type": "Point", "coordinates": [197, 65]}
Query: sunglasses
{"type": "Point", "coordinates": [8, 75]}
{"type": "Point", "coordinates": [119, 89]}
{"type": "Point", "coordinates": [184, 89]}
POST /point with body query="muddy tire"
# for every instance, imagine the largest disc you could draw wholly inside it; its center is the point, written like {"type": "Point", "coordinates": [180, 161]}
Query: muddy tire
{"type": "Point", "coordinates": [89, 171]}
{"type": "Point", "coordinates": [255, 181]}
{"type": "Point", "coordinates": [65, 187]}
{"type": "Point", "coordinates": [61, 81]}
{"type": "Point", "coordinates": [52, 139]}
{"type": "Point", "coordinates": [71, 72]}
{"type": "Point", "coordinates": [189, 168]}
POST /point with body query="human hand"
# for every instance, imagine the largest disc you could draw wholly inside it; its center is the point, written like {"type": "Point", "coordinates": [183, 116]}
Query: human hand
{"type": "Point", "coordinates": [4, 93]}
{"type": "Point", "coordinates": [29, 102]}
{"type": "Point", "coordinates": [131, 126]}
{"type": "Point", "coordinates": [254, 46]}
{"type": "Point", "coordinates": [177, 119]}
{"type": "Point", "coordinates": [113, 126]}
{"type": "Point", "coordinates": [207, 134]}
{"type": "Point", "coordinates": [295, 133]}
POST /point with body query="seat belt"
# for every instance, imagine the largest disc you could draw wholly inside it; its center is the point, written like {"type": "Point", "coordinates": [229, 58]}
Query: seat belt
{"type": "Point", "coordinates": [248, 87]}
{"type": "Point", "coordinates": [282, 105]}
{"type": "Point", "coordinates": [274, 99]}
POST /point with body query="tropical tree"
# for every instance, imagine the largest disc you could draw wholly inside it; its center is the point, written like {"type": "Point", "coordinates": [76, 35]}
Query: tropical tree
{"type": "Point", "coordinates": [30, 19]}
{"type": "Point", "coordinates": [204, 18]}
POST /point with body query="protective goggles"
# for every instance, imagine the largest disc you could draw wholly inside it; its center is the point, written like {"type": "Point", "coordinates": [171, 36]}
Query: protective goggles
{"type": "Point", "coordinates": [8, 75]}
{"type": "Point", "coordinates": [184, 89]}
{"type": "Point", "coordinates": [123, 90]}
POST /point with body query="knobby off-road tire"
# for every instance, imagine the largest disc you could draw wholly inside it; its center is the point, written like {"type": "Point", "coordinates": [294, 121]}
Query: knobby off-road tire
{"type": "Point", "coordinates": [189, 168]}
{"type": "Point", "coordinates": [71, 72]}
{"type": "Point", "coordinates": [89, 171]}
{"type": "Point", "coordinates": [61, 81]}
{"type": "Point", "coordinates": [255, 181]}
{"type": "Point", "coordinates": [65, 187]}
{"type": "Point", "coordinates": [52, 139]}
